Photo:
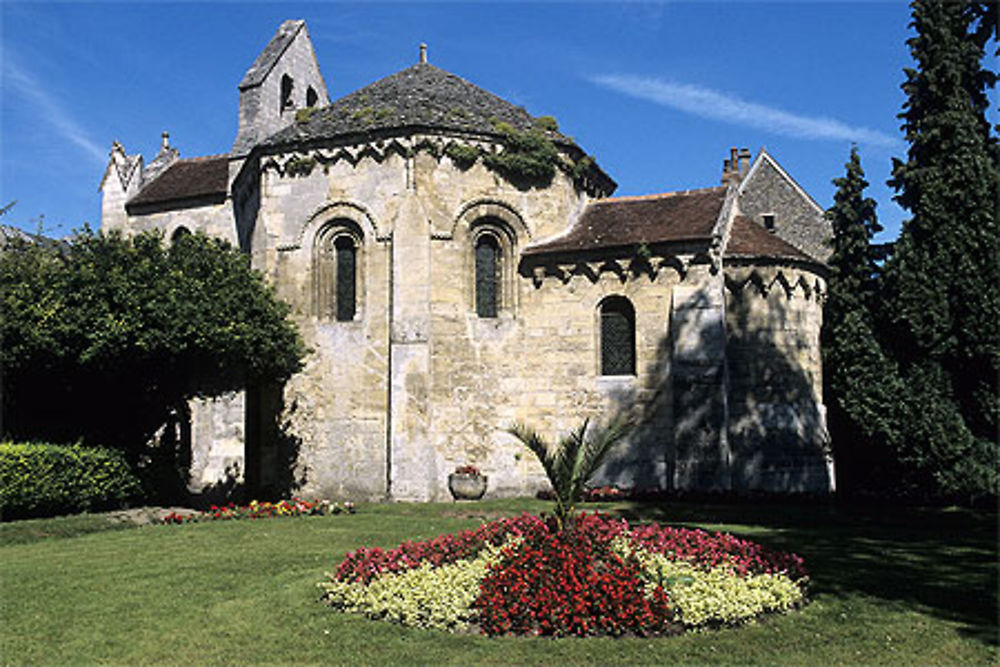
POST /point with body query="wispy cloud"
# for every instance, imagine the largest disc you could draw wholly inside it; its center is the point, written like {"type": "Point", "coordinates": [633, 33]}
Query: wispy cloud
{"type": "Point", "coordinates": [20, 81]}
{"type": "Point", "coordinates": [716, 105]}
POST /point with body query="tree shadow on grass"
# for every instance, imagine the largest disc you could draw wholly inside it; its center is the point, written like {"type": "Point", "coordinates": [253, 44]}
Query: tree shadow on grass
{"type": "Point", "coordinates": [942, 561]}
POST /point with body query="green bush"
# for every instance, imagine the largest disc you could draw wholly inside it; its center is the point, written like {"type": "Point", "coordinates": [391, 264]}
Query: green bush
{"type": "Point", "coordinates": [38, 479]}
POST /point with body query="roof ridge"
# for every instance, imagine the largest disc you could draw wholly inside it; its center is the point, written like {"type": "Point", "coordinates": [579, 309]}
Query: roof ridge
{"type": "Point", "coordinates": [201, 158]}
{"type": "Point", "coordinates": [659, 195]}
{"type": "Point", "coordinates": [268, 58]}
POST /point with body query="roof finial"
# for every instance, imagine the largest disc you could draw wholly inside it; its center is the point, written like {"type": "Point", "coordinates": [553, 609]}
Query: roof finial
{"type": "Point", "coordinates": [423, 53]}
{"type": "Point", "coordinates": [165, 145]}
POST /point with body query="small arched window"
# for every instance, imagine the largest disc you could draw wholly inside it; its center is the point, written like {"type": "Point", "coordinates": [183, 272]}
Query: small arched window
{"type": "Point", "coordinates": [335, 272]}
{"type": "Point", "coordinates": [488, 275]}
{"type": "Point", "coordinates": [179, 233]}
{"type": "Point", "coordinates": [311, 97]}
{"type": "Point", "coordinates": [346, 278]}
{"type": "Point", "coordinates": [617, 336]}
{"type": "Point", "coordinates": [287, 85]}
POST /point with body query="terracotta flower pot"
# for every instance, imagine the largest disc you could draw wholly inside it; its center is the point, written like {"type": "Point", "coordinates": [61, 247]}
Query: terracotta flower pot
{"type": "Point", "coordinates": [464, 486]}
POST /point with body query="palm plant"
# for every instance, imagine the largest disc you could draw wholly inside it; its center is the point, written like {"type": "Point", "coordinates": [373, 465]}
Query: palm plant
{"type": "Point", "coordinates": [571, 464]}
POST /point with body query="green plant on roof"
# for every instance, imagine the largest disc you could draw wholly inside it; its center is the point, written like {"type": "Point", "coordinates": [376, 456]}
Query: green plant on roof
{"type": "Point", "coordinates": [299, 166]}
{"type": "Point", "coordinates": [362, 115]}
{"type": "Point", "coordinates": [528, 156]}
{"type": "Point", "coordinates": [581, 167]}
{"type": "Point", "coordinates": [547, 123]}
{"type": "Point", "coordinates": [463, 155]}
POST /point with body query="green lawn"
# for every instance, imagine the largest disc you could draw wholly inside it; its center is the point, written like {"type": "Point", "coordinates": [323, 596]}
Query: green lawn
{"type": "Point", "coordinates": [915, 587]}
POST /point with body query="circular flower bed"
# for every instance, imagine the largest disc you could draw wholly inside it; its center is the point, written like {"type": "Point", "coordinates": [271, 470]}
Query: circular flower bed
{"type": "Point", "coordinates": [599, 577]}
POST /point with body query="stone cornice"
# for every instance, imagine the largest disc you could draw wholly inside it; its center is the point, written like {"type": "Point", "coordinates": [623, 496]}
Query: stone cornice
{"type": "Point", "coordinates": [762, 281]}
{"type": "Point", "coordinates": [353, 149]}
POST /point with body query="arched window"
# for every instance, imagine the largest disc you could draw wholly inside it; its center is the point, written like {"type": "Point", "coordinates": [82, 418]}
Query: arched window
{"type": "Point", "coordinates": [617, 336]}
{"type": "Point", "coordinates": [346, 278]}
{"type": "Point", "coordinates": [287, 85]}
{"type": "Point", "coordinates": [179, 233]}
{"type": "Point", "coordinates": [488, 275]}
{"type": "Point", "coordinates": [311, 97]}
{"type": "Point", "coordinates": [335, 272]}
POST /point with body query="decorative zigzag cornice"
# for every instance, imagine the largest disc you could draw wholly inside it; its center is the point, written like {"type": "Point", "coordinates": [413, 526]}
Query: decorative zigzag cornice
{"type": "Point", "coordinates": [406, 146]}
{"type": "Point", "coordinates": [793, 283]}
{"type": "Point", "coordinates": [565, 269]}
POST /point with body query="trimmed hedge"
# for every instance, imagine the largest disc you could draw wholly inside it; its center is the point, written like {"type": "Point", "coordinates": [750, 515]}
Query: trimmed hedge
{"type": "Point", "coordinates": [40, 479]}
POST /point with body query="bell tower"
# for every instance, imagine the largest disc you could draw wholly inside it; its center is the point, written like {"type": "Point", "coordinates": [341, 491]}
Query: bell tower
{"type": "Point", "coordinates": [284, 78]}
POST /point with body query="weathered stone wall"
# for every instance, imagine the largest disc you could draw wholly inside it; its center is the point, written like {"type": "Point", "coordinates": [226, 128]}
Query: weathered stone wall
{"type": "Point", "coordinates": [797, 220]}
{"type": "Point", "coordinates": [418, 381]}
{"type": "Point", "coordinates": [698, 375]}
{"type": "Point", "coordinates": [215, 220]}
{"type": "Point", "coordinates": [364, 407]}
{"type": "Point", "coordinates": [777, 423]}
{"type": "Point", "coordinates": [217, 438]}
{"type": "Point", "coordinates": [121, 181]}
{"type": "Point", "coordinates": [337, 407]}
{"type": "Point", "coordinates": [540, 365]}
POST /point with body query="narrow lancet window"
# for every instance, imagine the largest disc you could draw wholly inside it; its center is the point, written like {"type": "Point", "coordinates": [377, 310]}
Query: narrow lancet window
{"type": "Point", "coordinates": [337, 283]}
{"type": "Point", "coordinates": [487, 276]}
{"type": "Point", "coordinates": [311, 97]}
{"type": "Point", "coordinates": [346, 278]}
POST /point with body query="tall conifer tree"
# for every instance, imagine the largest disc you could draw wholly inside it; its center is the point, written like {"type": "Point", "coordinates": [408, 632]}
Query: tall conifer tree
{"type": "Point", "coordinates": [853, 264]}
{"type": "Point", "coordinates": [862, 385]}
{"type": "Point", "coordinates": [942, 280]}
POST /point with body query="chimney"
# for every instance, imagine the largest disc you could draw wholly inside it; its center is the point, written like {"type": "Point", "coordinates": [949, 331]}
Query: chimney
{"type": "Point", "coordinates": [744, 162]}
{"type": "Point", "coordinates": [423, 53]}
{"type": "Point", "coordinates": [736, 166]}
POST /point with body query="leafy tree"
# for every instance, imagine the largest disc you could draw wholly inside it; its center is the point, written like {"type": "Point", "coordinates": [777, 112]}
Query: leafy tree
{"type": "Point", "coordinates": [943, 304]}
{"type": "Point", "coordinates": [571, 464]}
{"type": "Point", "coordinates": [107, 338]}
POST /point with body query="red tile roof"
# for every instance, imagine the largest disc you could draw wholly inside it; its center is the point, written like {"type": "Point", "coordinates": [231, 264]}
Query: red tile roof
{"type": "Point", "coordinates": [192, 178]}
{"type": "Point", "coordinates": [748, 239]}
{"type": "Point", "coordinates": [628, 221]}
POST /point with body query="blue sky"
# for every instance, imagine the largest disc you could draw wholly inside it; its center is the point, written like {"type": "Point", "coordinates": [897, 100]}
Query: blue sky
{"type": "Point", "coordinates": [658, 92]}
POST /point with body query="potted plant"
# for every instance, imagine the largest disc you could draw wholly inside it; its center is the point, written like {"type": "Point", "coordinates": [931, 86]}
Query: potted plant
{"type": "Point", "coordinates": [467, 483]}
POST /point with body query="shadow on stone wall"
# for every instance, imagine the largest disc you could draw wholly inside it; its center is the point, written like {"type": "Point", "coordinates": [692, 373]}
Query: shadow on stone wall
{"type": "Point", "coordinates": [729, 411]}
{"type": "Point", "coordinates": [272, 449]}
{"type": "Point", "coordinates": [777, 429]}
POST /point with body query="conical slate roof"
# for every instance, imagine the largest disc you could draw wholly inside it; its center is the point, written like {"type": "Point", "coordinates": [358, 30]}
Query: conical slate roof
{"type": "Point", "coordinates": [422, 97]}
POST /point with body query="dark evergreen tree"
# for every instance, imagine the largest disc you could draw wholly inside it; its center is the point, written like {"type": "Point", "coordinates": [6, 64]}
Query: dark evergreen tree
{"type": "Point", "coordinates": [943, 301]}
{"type": "Point", "coordinates": [863, 387]}
{"type": "Point", "coordinates": [853, 263]}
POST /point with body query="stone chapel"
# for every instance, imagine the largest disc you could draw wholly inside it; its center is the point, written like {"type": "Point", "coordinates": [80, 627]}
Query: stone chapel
{"type": "Point", "coordinates": [445, 295]}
